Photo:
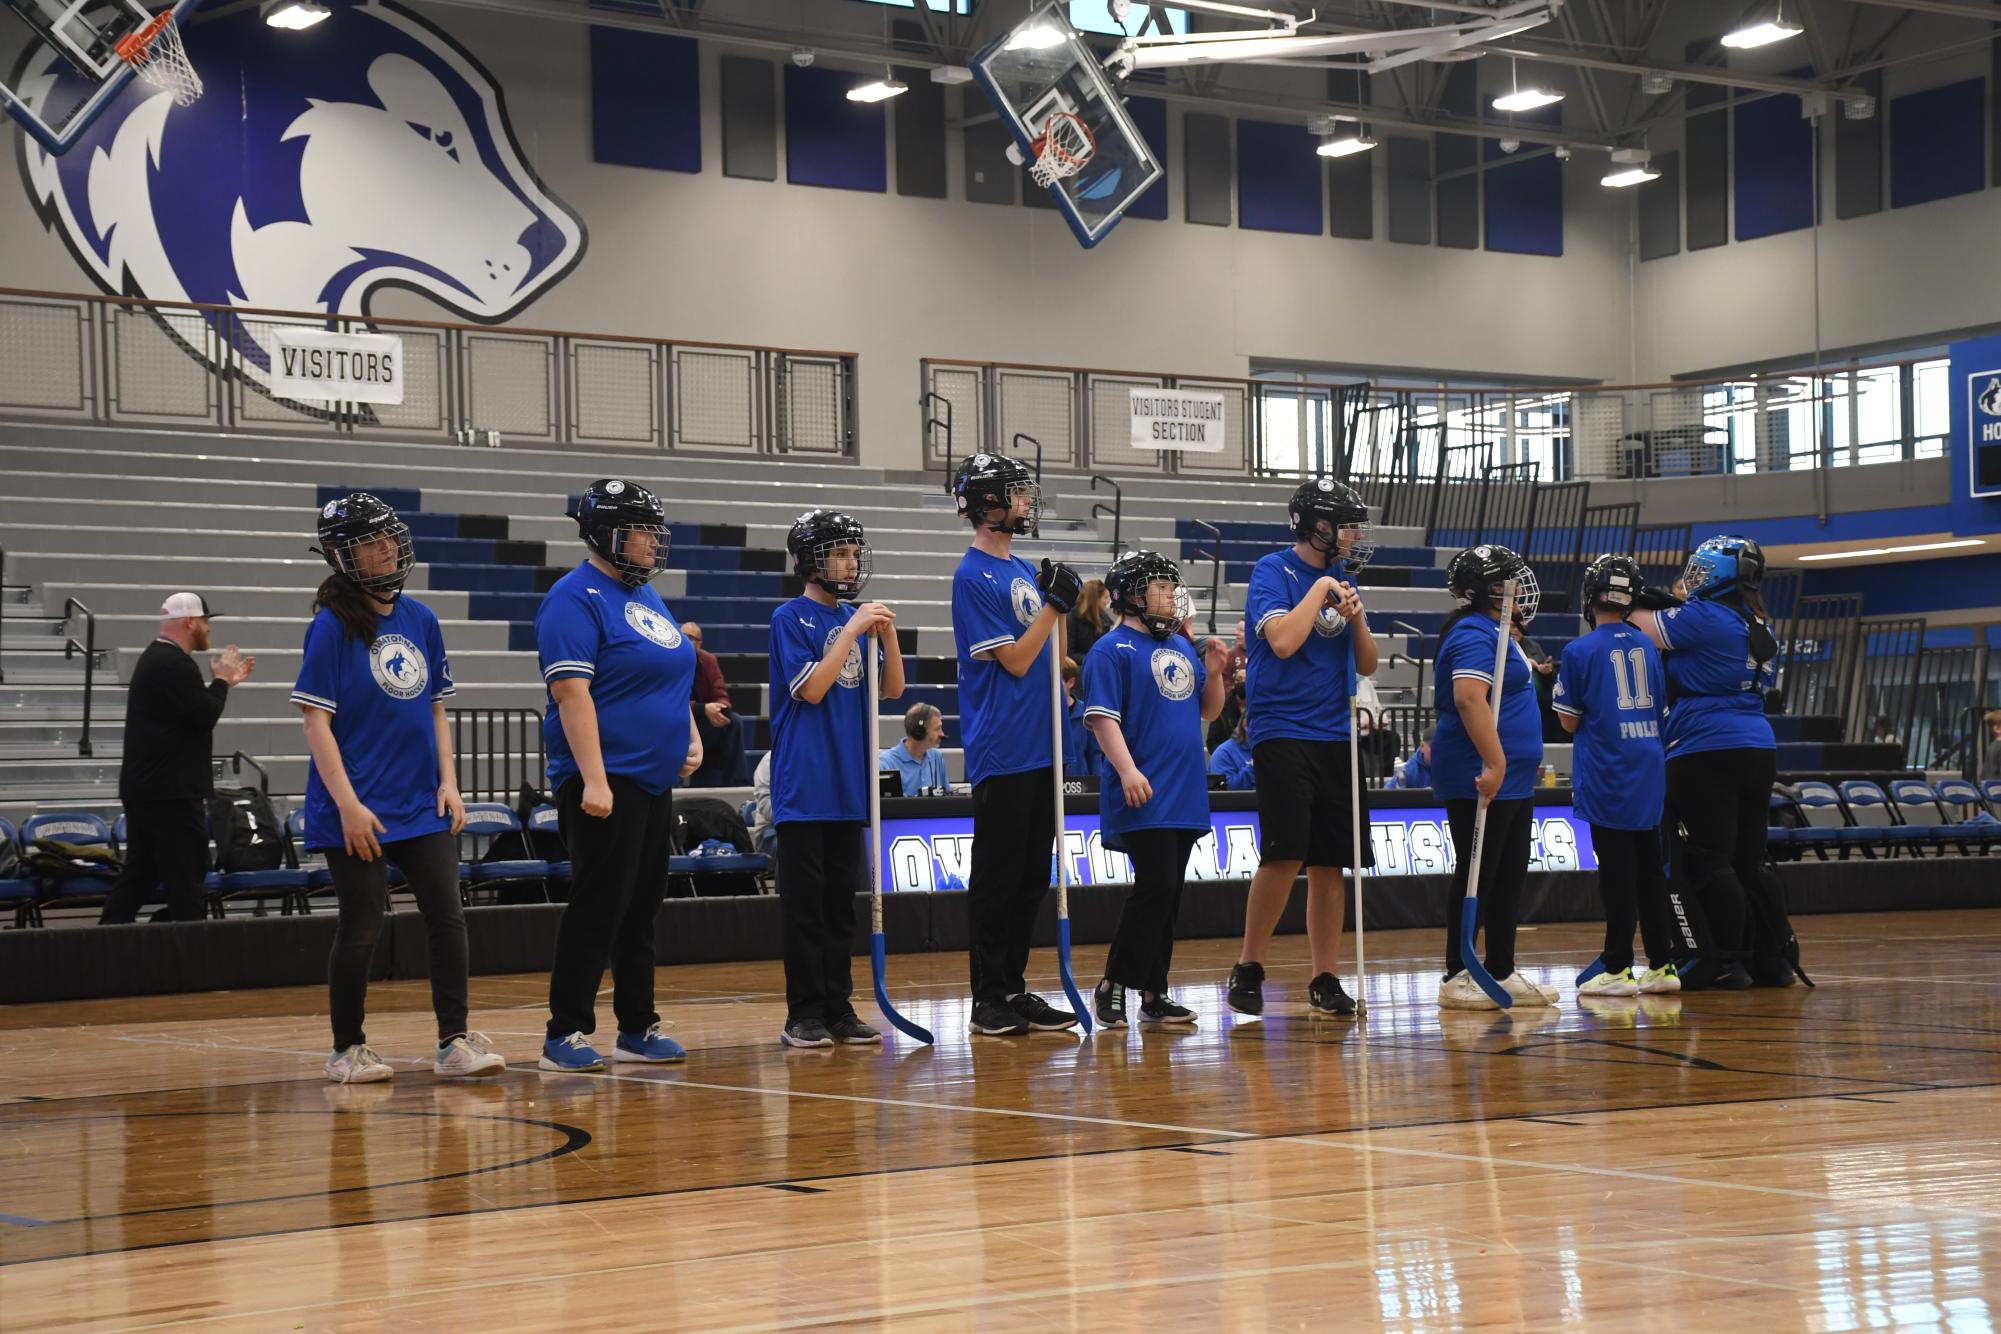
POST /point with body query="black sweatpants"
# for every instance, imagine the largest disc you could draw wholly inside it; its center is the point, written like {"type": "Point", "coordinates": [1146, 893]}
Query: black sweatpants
{"type": "Point", "coordinates": [618, 875]}
{"type": "Point", "coordinates": [430, 864]}
{"type": "Point", "coordinates": [1632, 884]}
{"type": "Point", "coordinates": [1143, 948]}
{"type": "Point", "coordinates": [1504, 869]}
{"type": "Point", "coordinates": [1722, 801]}
{"type": "Point", "coordinates": [1014, 833]}
{"type": "Point", "coordinates": [166, 844]}
{"type": "Point", "coordinates": [822, 865]}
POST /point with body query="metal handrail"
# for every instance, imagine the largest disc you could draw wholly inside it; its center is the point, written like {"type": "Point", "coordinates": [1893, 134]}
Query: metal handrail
{"type": "Point", "coordinates": [89, 650]}
{"type": "Point", "coordinates": [1215, 568]}
{"type": "Point", "coordinates": [1117, 508]}
{"type": "Point", "coordinates": [924, 402]}
{"type": "Point", "coordinates": [237, 760]}
{"type": "Point", "coordinates": [1014, 447]}
{"type": "Point", "coordinates": [1418, 663]}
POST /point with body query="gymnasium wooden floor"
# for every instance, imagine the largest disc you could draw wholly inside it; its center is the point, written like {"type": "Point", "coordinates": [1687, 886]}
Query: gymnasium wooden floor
{"type": "Point", "coordinates": [1767, 1160]}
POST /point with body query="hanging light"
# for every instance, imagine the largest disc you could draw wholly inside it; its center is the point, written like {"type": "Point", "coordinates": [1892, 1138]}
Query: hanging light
{"type": "Point", "coordinates": [1343, 138]}
{"type": "Point", "coordinates": [1774, 29]}
{"type": "Point", "coordinates": [1518, 98]}
{"type": "Point", "coordinates": [878, 90]}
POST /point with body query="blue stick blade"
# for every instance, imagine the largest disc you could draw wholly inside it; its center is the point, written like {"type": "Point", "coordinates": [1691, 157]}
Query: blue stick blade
{"type": "Point", "coordinates": [1597, 967]}
{"type": "Point", "coordinates": [1469, 913]}
{"type": "Point", "coordinates": [1070, 983]}
{"type": "Point", "coordinates": [878, 957]}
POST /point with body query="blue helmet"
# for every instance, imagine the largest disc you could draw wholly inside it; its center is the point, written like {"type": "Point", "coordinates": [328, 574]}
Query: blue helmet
{"type": "Point", "coordinates": [1724, 565]}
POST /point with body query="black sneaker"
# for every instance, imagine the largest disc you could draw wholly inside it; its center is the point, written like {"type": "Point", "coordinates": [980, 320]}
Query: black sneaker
{"type": "Point", "coordinates": [1041, 1014]}
{"type": "Point", "coordinates": [1247, 981]}
{"type": "Point", "coordinates": [1737, 979]}
{"type": "Point", "coordinates": [1109, 1002]}
{"type": "Point", "coordinates": [806, 1033]}
{"type": "Point", "coordinates": [849, 1030]}
{"type": "Point", "coordinates": [993, 1019]}
{"type": "Point", "coordinates": [1164, 1010]}
{"type": "Point", "coordinates": [1324, 996]}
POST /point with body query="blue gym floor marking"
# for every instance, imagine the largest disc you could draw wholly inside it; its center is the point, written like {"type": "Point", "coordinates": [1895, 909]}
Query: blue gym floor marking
{"type": "Point", "coordinates": [18, 1221]}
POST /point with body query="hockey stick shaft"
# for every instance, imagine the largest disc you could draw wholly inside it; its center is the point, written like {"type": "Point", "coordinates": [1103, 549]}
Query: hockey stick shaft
{"type": "Point", "coordinates": [1469, 910]}
{"type": "Point", "coordinates": [878, 947]}
{"type": "Point", "coordinates": [1056, 718]}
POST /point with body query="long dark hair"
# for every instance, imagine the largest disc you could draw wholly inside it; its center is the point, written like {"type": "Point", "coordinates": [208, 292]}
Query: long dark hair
{"type": "Point", "coordinates": [352, 607]}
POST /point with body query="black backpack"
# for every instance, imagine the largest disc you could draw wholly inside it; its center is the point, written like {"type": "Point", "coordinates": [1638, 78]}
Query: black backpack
{"type": "Point", "coordinates": [247, 832]}
{"type": "Point", "coordinates": [696, 821]}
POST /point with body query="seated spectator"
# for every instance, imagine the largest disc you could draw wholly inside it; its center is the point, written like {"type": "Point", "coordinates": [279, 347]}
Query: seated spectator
{"type": "Point", "coordinates": [1990, 763]}
{"type": "Point", "coordinates": [916, 757]}
{"type": "Point", "coordinates": [1885, 733]}
{"type": "Point", "coordinates": [1080, 748]}
{"type": "Point", "coordinates": [1415, 771]}
{"type": "Point", "coordinates": [722, 740]}
{"type": "Point", "coordinates": [1225, 725]}
{"type": "Point", "coordinates": [1232, 759]}
{"type": "Point", "coordinates": [1090, 618]}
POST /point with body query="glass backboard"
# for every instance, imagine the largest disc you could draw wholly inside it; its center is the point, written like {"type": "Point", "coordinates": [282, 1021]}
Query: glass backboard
{"type": "Point", "coordinates": [1041, 68]}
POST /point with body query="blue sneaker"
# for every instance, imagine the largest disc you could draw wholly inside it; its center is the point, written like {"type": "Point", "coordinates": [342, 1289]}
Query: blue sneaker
{"type": "Point", "coordinates": [570, 1054]}
{"type": "Point", "coordinates": [650, 1047]}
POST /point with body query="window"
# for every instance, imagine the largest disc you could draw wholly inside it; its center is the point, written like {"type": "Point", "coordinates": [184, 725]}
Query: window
{"type": "Point", "coordinates": [1142, 19]}
{"type": "Point", "coordinates": [1931, 405]}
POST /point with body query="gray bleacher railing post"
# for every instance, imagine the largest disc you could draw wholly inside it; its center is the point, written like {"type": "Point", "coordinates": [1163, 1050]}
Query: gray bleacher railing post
{"type": "Point", "coordinates": [3, 615]}
{"type": "Point", "coordinates": [89, 650]}
{"type": "Point", "coordinates": [929, 401]}
{"type": "Point", "coordinates": [1116, 509]}
{"type": "Point", "coordinates": [1215, 567]}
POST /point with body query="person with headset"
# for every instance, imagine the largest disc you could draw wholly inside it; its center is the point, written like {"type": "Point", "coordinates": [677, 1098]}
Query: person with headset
{"type": "Point", "coordinates": [381, 789]}
{"type": "Point", "coordinates": [1721, 762]}
{"type": "Point", "coordinates": [620, 733]}
{"type": "Point", "coordinates": [916, 758]}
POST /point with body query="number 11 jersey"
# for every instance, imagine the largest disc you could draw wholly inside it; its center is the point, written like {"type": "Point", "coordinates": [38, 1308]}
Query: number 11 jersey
{"type": "Point", "coordinates": [1612, 682]}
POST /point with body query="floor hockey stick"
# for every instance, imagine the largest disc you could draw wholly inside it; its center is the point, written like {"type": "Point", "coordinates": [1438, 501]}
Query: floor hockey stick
{"type": "Point", "coordinates": [1469, 911]}
{"type": "Point", "coordinates": [1062, 847]}
{"type": "Point", "coordinates": [878, 951]}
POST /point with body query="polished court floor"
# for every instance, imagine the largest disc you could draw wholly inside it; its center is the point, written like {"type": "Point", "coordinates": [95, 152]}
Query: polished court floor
{"type": "Point", "coordinates": [1770, 1160]}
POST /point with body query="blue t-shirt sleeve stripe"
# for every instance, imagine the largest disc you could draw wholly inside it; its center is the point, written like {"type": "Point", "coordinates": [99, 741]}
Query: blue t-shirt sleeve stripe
{"type": "Point", "coordinates": [566, 636]}
{"type": "Point", "coordinates": [1102, 711]}
{"type": "Point", "coordinates": [301, 697]}
{"type": "Point", "coordinates": [557, 671]}
{"type": "Point", "coordinates": [989, 645]}
{"type": "Point", "coordinates": [319, 665]}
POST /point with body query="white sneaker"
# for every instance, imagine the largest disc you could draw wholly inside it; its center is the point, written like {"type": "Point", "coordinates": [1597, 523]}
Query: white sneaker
{"type": "Point", "coordinates": [1660, 981]}
{"type": "Point", "coordinates": [1526, 990]}
{"type": "Point", "coordinates": [1461, 992]}
{"type": "Point", "coordinates": [358, 1065]}
{"type": "Point", "coordinates": [468, 1054]}
{"type": "Point", "coordinates": [1621, 983]}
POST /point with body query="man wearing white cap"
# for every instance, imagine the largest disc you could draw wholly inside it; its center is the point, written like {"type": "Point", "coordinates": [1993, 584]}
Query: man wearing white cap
{"type": "Point", "coordinates": [165, 777]}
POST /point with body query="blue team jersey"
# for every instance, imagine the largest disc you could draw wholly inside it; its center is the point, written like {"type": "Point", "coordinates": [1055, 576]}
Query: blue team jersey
{"type": "Point", "coordinates": [1305, 695]}
{"type": "Point", "coordinates": [1152, 688]}
{"type": "Point", "coordinates": [1232, 762]}
{"type": "Point", "coordinates": [1716, 688]}
{"type": "Point", "coordinates": [641, 670]}
{"type": "Point", "coordinates": [1003, 718]}
{"type": "Point", "coordinates": [1467, 653]}
{"type": "Point", "coordinates": [1612, 682]}
{"type": "Point", "coordinates": [822, 756]}
{"type": "Point", "coordinates": [380, 696]}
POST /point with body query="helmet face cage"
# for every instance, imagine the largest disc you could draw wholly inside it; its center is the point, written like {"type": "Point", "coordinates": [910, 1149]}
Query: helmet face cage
{"type": "Point", "coordinates": [1722, 564]}
{"type": "Point", "coordinates": [1130, 582]}
{"type": "Point", "coordinates": [814, 567]}
{"type": "Point", "coordinates": [1345, 515]}
{"type": "Point", "coordinates": [632, 573]}
{"type": "Point", "coordinates": [1481, 587]}
{"type": "Point", "coordinates": [609, 513]}
{"type": "Point", "coordinates": [990, 482]}
{"type": "Point", "coordinates": [350, 556]}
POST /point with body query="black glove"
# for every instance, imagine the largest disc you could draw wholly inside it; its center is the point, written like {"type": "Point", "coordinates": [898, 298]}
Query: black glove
{"type": "Point", "coordinates": [1651, 598]}
{"type": "Point", "coordinates": [1060, 585]}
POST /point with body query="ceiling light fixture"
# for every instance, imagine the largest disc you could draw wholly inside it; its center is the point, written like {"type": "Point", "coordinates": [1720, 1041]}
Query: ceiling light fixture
{"type": "Point", "coordinates": [1518, 98]}
{"type": "Point", "coordinates": [1897, 551]}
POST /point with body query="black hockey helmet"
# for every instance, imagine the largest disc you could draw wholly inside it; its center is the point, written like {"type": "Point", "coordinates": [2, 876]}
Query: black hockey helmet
{"type": "Point", "coordinates": [608, 512]}
{"type": "Point", "coordinates": [1611, 581]}
{"type": "Point", "coordinates": [352, 525]}
{"type": "Point", "coordinates": [989, 482]}
{"type": "Point", "coordinates": [1340, 506]}
{"type": "Point", "coordinates": [1476, 574]}
{"type": "Point", "coordinates": [1129, 579]}
{"type": "Point", "coordinates": [814, 535]}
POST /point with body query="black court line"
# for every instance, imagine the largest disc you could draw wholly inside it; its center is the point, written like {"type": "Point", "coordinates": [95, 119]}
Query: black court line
{"type": "Point", "coordinates": [796, 1188]}
{"type": "Point", "coordinates": [1547, 1121]}
{"type": "Point", "coordinates": [1854, 1097]}
{"type": "Point", "coordinates": [1190, 1148]}
{"type": "Point", "coordinates": [858, 1174]}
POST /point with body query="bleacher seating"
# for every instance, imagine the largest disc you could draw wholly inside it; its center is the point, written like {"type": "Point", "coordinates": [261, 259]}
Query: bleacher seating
{"type": "Point", "coordinates": [17, 892]}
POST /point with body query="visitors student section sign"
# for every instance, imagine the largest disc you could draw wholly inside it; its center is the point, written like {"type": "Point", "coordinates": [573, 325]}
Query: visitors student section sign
{"type": "Point", "coordinates": [925, 853]}
{"type": "Point", "coordinates": [1185, 419]}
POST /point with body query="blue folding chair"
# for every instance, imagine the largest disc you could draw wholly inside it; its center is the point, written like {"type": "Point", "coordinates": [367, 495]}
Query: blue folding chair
{"type": "Point", "coordinates": [1990, 788]}
{"type": "Point", "coordinates": [486, 821]}
{"type": "Point", "coordinates": [319, 879]}
{"type": "Point", "coordinates": [1870, 808]}
{"type": "Point", "coordinates": [17, 893]}
{"type": "Point", "coordinates": [1918, 803]}
{"type": "Point", "coordinates": [1963, 806]}
{"type": "Point", "coordinates": [83, 829]}
{"type": "Point", "coordinates": [545, 819]}
{"type": "Point", "coordinates": [1827, 822]}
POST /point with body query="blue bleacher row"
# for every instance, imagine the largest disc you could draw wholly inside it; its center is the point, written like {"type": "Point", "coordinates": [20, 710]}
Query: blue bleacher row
{"type": "Point", "coordinates": [303, 874]}
{"type": "Point", "coordinates": [1859, 815]}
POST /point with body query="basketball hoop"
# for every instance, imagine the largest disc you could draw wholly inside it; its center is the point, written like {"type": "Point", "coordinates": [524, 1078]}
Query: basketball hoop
{"type": "Point", "coordinates": [1065, 146]}
{"type": "Point", "coordinates": [156, 53]}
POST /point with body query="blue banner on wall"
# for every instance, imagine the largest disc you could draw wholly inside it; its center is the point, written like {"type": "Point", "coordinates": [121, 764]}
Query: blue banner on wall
{"type": "Point", "coordinates": [932, 854]}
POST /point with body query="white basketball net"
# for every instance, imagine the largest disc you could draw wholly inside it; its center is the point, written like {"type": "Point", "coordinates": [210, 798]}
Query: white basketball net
{"type": "Point", "coordinates": [158, 55]}
{"type": "Point", "coordinates": [1066, 145]}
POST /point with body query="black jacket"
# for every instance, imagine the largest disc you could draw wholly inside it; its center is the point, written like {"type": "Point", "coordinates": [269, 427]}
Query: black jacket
{"type": "Point", "coordinates": [169, 728]}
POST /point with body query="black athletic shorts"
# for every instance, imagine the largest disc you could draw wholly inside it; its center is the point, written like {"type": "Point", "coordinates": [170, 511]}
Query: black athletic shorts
{"type": "Point", "coordinates": [1304, 803]}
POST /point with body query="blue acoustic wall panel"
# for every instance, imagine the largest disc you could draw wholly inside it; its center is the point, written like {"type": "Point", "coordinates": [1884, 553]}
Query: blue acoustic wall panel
{"type": "Point", "coordinates": [1938, 143]}
{"type": "Point", "coordinates": [1150, 114]}
{"type": "Point", "coordinates": [646, 100]}
{"type": "Point", "coordinates": [830, 140]}
{"type": "Point", "coordinates": [1774, 167]}
{"type": "Point", "coordinates": [1279, 179]}
{"type": "Point", "coordinates": [1523, 199]}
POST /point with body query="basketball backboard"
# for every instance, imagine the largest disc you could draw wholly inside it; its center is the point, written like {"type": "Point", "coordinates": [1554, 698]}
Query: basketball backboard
{"type": "Point", "coordinates": [60, 60]}
{"type": "Point", "coordinates": [1042, 69]}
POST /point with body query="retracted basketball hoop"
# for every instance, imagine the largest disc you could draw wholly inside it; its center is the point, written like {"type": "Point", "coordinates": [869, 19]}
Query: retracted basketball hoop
{"type": "Point", "coordinates": [157, 54]}
{"type": "Point", "coordinates": [1065, 146]}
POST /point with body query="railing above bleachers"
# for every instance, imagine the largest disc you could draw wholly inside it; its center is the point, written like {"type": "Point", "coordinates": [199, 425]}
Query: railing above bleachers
{"type": "Point", "coordinates": [115, 360]}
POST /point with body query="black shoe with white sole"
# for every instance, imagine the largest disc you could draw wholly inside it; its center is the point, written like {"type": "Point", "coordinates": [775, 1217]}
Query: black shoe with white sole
{"type": "Point", "coordinates": [992, 1019]}
{"type": "Point", "coordinates": [1247, 982]}
{"type": "Point", "coordinates": [1164, 1011]}
{"type": "Point", "coordinates": [1109, 1003]}
{"type": "Point", "coordinates": [1040, 1014]}
{"type": "Point", "coordinates": [1325, 997]}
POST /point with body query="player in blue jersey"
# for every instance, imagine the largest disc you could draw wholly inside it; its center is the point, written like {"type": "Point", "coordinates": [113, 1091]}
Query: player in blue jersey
{"type": "Point", "coordinates": [1005, 619]}
{"type": "Point", "coordinates": [823, 758]}
{"type": "Point", "coordinates": [619, 731]}
{"type": "Point", "coordinates": [381, 789]}
{"type": "Point", "coordinates": [1729, 923]}
{"type": "Point", "coordinates": [1148, 697]}
{"type": "Point", "coordinates": [1309, 640]}
{"type": "Point", "coordinates": [1477, 755]}
{"type": "Point", "coordinates": [1611, 694]}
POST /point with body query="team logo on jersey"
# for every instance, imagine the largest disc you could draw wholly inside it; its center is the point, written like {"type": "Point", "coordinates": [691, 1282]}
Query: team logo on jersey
{"type": "Point", "coordinates": [1027, 602]}
{"type": "Point", "coordinates": [398, 667]}
{"type": "Point", "coordinates": [653, 625]}
{"type": "Point", "coordinates": [1173, 673]}
{"type": "Point", "coordinates": [1329, 623]}
{"type": "Point", "coordinates": [851, 669]}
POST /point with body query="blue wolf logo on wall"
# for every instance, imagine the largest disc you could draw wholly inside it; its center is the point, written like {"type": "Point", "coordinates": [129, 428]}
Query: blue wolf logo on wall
{"type": "Point", "coordinates": [370, 151]}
